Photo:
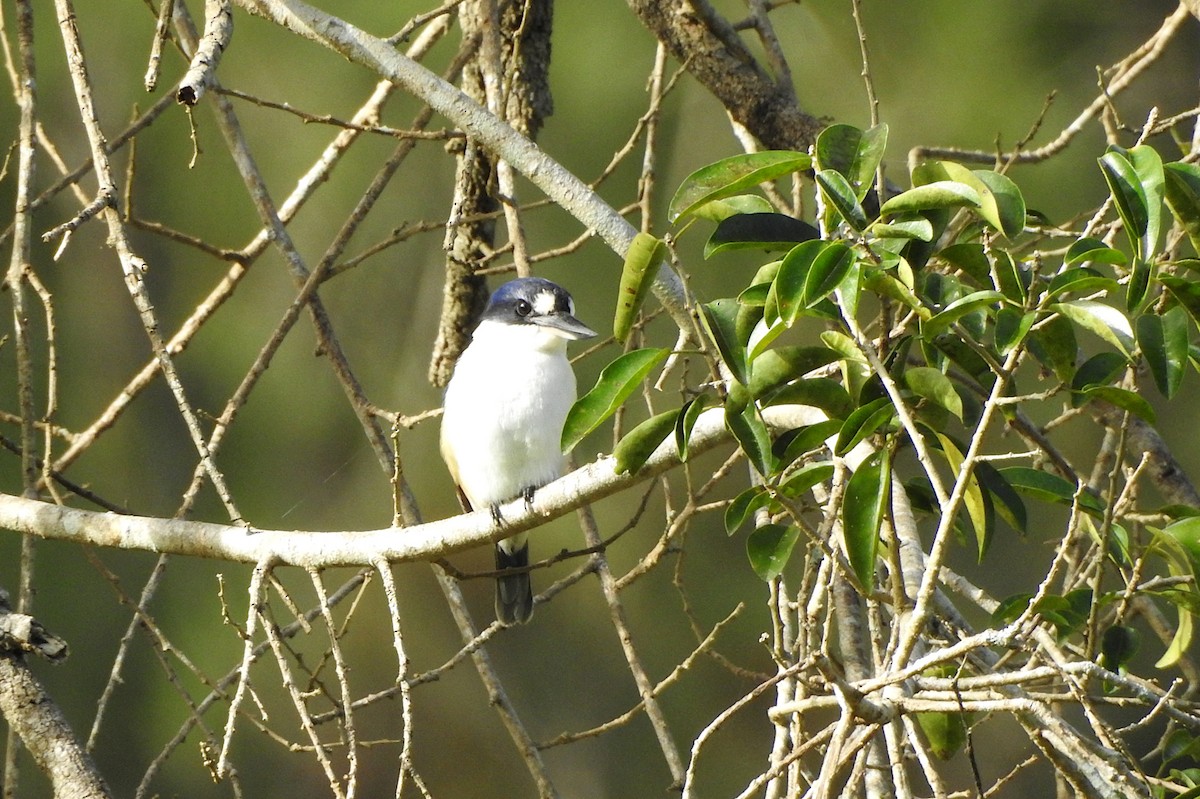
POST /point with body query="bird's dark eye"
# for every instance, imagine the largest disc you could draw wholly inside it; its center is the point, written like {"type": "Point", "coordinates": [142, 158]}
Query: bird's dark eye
{"type": "Point", "coordinates": [524, 308]}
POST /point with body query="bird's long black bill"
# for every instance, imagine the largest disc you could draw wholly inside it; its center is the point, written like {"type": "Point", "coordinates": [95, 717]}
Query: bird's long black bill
{"type": "Point", "coordinates": [514, 593]}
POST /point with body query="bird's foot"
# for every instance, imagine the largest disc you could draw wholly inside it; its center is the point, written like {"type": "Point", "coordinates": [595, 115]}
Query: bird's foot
{"type": "Point", "coordinates": [527, 495]}
{"type": "Point", "coordinates": [496, 517]}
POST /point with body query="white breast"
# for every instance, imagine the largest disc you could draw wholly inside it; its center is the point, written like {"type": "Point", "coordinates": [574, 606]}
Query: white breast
{"type": "Point", "coordinates": [504, 412]}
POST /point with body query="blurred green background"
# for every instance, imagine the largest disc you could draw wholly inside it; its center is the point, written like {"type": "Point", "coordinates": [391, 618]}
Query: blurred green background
{"type": "Point", "coordinates": [947, 73]}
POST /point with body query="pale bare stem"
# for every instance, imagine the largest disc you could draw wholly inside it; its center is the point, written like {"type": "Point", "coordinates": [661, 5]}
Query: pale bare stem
{"type": "Point", "coordinates": [869, 85]}
{"type": "Point", "coordinates": [497, 696]}
{"type": "Point", "coordinates": [132, 265]}
{"type": "Point", "coordinates": [442, 11]}
{"type": "Point", "coordinates": [162, 30]}
{"type": "Point", "coordinates": [1125, 72]}
{"type": "Point", "coordinates": [703, 647]}
{"type": "Point", "coordinates": [403, 683]}
{"type": "Point", "coordinates": [710, 729]}
{"type": "Point", "coordinates": [616, 612]}
{"type": "Point", "coordinates": [256, 592]}
{"type": "Point", "coordinates": [218, 30]}
{"type": "Point", "coordinates": [319, 748]}
{"type": "Point", "coordinates": [341, 669]}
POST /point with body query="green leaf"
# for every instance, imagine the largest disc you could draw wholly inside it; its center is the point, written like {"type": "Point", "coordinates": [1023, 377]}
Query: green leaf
{"type": "Point", "coordinates": [828, 270]}
{"type": "Point", "coordinates": [1105, 321]}
{"type": "Point", "coordinates": [720, 321]}
{"type": "Point", "coordinates": [769, 547]}
{"type": "Point", "coordinates": [805, 439]}
{"type": "Point", "coordinates": [777, 366]}
{"type": "Point", "coordinates": [1128, 195]}
{"type": "Point", "coordinates": [931, 384]}
{"type": "Point", "coordinates": [790, 280]}
{"type": "Point", "coordinates": [1182, 189]}
{"type": "Point", "coordinates": [941, 321]}
{"type": "Point", "coordinates": [1053, 343]}
{"type": "Point", "coordinates": [804, 478]}
{"type": "Point", "coordinates": [720, 210]}
{"type": "Point", "coordinates": [1180, 643]}
{"type": "Point", "coordinates": [1050, 487]}
{"type": "Point", "coordinates": [743, 506]}
{"type": "Point", "coordinates": [863, 422]}
{"type": "Point", "coordinates": [1148, 166]}
{"type": "Point", "coordinates": [641, 261]}
{"type": "Point", "coordinates": [1185, 292]}
{"type": "Point", "coordinates": [839, 194]}
{"type": "Point", "coordinates": [1124, 399]}
{"type": "Point", "coordinates": [1091, 250]}
{"type": "Point", "coordinates": [632, 451]}
{"type": "Point", "coordinates": [1118, 645]}
{"type": "Point", "coordinates": [616, 382]}
{"type": "Point", "coordinates": [759, 231]}
{"type": "Point", "coordinates": [748, 428]}
{"type": "Point", "coordinates": [978, 508]}
{"type": "Point", "coordinates": [1003, 205]}
{"type": "Point", "coordinates": [855, 154]}
{"type": "Point", "coordinates": [1163, 339]}
{"type": "Point", "coordinates": [939, 194]}
{"type": "Point", "coordinates": [970, 258]}
{"type": "Point", "coordinates": [819, 392]}
{"type": "Point", "coordinates": [1080, 280]}
{"type": "Point", "coordinates": [945, 733]}
{"type": "Point", "coordinates": [688, 415]}
{"type": "Point", "coordinates": [1101, 369]}
{"type": "Point", "coordinates": [1011, 328]}
{"type": "Point", "coordinates": [1009, 504]}
{"type": "Point", "coordinates": [732, 176]}
{"type": "Point", "coordinates": [868, 492]}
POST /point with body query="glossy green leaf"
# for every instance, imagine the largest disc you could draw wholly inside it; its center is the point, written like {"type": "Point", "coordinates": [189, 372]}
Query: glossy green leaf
{"type": "Point", "coordinates": [745, 505]}
{"type": "Point", "coordinates": [868, 492]}
{"type": "Point", "coordinates": [688, 415]}
{"type": "Point", "coordinates": [863, 422]}
{"type": "Point", "coordinates": [1008, 502]}
{"type": "Point", "coordinates": [1128, 195]}
{"type": "Point", "coordinates": [1087, 250]}
{"type": "Point", "coordinates": [636, 447]}
{"type": "Point", "coordinates": [732, 176]}
{"type": "Point", "coordinates": [804, 478]}
{"type": "Point", "coordinates": [791, 278]}
{"type": "Point", "coordinates": [1050, 488]}
{"type": "Point", "coordinates": [828, 270]}
{"type": "Point", "coordinates": [720, 320]}
{"type": "Point", "coordinates": [820, 392]}
{"type": "Point", "coordinates": [840, 195]}
{"type": "Point", "coordinates": [1102, 369]}
{"type": "Point", "coordinates": [752, 436]}
{"type": "Point", "coordinates": [1105, 321]}
{"type": "Point", "coordinates": [1180, 642]}
{"type": "Point", "coordinates": [970, 258]}
{"type": "Point", "coordinates": [979, 510]}
{"type": "Point", "coordinates": [797, 442]}
{"type": "Point", "coordinates": [1182, 191]}
{"type": "Point", "coordinates": [1163, 339]}
{"type": "Point", "coordinates": [769, 547]}
{"type": "Point", "coordinates": [930, 383]}
{"type": "Point", "coordinates": [722, 209]}
{"type": "Point", "coordinates": [1011, 328]}
{"type": "Point", "coordinates": [1012, 279]}
{"type": "Point", "coordinates": [616, 382]}
{"type": "Point", "coordinates": [941, 321]}
{"type": "Point", "coordinates": [777, 366]}
{"type": "Point", "coordinates": [1003, 205]}
{"type": "Point", "coordinates": [1080, 280]}
{"type": "Point", "coordinates": [1123, 398]}
{"type": "Point", "coordinates": [939, 194]}
{"type": "Point", "coordinates": [1148, 166]}
{"type": "Point", "coordinates": [759, 231]}
{"type": "Point", "coordinates": [855, 154]}
{"type": "Point", "coordinates": [641, 265]}
{"type": "Point", "coordinates": [916, 228]}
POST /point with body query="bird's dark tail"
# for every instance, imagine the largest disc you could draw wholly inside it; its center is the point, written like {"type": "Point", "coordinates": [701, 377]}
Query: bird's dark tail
{"type": "Point", "coordinates": [514, 594]}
